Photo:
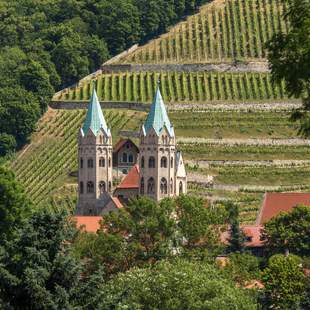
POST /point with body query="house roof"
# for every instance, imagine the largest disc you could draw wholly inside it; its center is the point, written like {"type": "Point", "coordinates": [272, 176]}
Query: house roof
{"type": "Point", "coordinates": [121, 143]}
{"type": "Point", "coordinates": [252, 232]}
{"type": "Point", "coordinates": [131, 180]}
{"type": "Point", "coordinates": [94, 117]}
{"type": "Point", "coordinates": [158, 117]}
{"type": "Point", "coordinates": [88, 223]}
{"type": "Point", "coordinates": [117, 202]}
{"type": "Point", "coordinates": [274, 203]}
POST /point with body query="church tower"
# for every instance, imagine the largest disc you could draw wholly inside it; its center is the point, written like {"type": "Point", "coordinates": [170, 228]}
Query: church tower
{"type": "Point", "coordinates": [161, 166]}
{"type": "Point", "coordinates": [95, 161]}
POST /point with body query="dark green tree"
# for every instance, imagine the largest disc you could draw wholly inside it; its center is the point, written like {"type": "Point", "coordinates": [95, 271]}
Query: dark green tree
{"type": "Point", "coordinates": [14, 206]}
{"type": "Point", "coordinates": [7, 144]}
{"type": "Point", "coordinates": [289, 57]}
{"type": "Point", "coordinates": [289, 231]}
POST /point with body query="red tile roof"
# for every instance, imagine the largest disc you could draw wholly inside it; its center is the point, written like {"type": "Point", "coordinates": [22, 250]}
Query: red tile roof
{"type": "Point", "coordinates": [274, 203]}
{"type": "Point", "coordinates": [117, 203]}
{"type": "Point", "coordinates": [131, 180]}
{"type": "Point", "coordinates": [252, 232]}
{"type": "Point", "coordinates": [121, 143]}
{"type": "Point", "coordinates": [88, 223]}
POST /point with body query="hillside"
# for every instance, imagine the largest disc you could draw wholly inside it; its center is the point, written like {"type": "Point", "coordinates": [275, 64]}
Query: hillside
{"type": "Point", "coordinates": [231, 122]}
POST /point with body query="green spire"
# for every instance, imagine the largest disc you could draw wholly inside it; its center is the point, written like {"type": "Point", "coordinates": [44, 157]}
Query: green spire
{"type": "Point", "coordinates": [158, 117]}
{"type": "Point", "coordinates": [94, 117]}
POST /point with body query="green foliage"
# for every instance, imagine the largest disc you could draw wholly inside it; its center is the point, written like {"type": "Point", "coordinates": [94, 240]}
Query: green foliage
{"type": "Point", "coordinates": [38, 270]}
{"type": "Point", "coordinates": [289, 55]}
{"type": "Point", "coordinates": [14, 206]}
{"type": "Point", "coordinates": [174, 285]}
{"type": "Point", "coordinates": [284, 282]}
{"type": "Point", "coordinates": [7, 144]}
{"type": "Point", "coordinates": [289, 231]}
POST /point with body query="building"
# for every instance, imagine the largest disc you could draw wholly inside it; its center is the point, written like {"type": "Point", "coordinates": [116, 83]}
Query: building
{"type": "Point", "coordinates": [274, 203]}
{"type": "Point", "coordinates": [129, 186]}
{"type": "Point", "coordinates": [125, 155]}
{"type": "Point", "coordinates": [95, 163]}
{"type": "Point", "coordinates": [162, 170]}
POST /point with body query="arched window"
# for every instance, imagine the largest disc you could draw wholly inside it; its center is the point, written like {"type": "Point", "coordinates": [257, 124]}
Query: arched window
{"type": "Point", "coordinates": [101, 162]}
{"type": "Point", "coordinates": [109, 161]}
{"type": "Point", "coordinates": [90, 163]}
{"type": "Point", "coordinates": [163, 186]}
{"type": "Point", "coordinates": [130, 158]}
{"type": "Point", "coordinates": [163, 162]}
{"type": "Point", "coordinates": [181, 188]}
{"type": "Point", "coordinates": [101, 140]}
{"type": "Point", "coordinates": [142, 186]}
{"type": "Point", "coordinates": [151, 186]}
{"type": "Point", "coordinates": [81, 163]}
{"type": "Point", "coordinates": [171, 186]}
{"type": "Point", "coordinates": [90, 187]}
{"type": "Point", "coordinates": [151, 162]}
{"type": "Point", "coordinates": [110, 186]}
{"type": "Point", "coordinates": [102, 187]}
{"type": "Point", "coordinates": [81, 187]}
{"type": "Point", "coordinates": [124, 159]}
{"type": "Point", "coordinates": [171, 162]}
{"type": "Point", "coordinates": [142, 162]}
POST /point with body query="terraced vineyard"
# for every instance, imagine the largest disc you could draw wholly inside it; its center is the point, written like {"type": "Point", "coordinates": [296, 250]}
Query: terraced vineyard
{"type": "Point", "coordinates": [179, 87]}
{"type": "Point", "coordinates": [224, 30]}
{"type": "Point", "coordinates": [45, 165]}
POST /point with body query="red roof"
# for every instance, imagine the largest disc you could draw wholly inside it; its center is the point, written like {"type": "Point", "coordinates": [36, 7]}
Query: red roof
{"type": "Point", "coordinates": [131, 180]}
{"type": "Point", "coordinates": [252, 232]}
{"type": "Point", "coordinates": [117, 203]}
{"type": "Point", "coordinates": [121, 143]}
{"type": "Point", "coordinates": [274, 203]}
{"type": "Point", "coordinates": [88, 223]}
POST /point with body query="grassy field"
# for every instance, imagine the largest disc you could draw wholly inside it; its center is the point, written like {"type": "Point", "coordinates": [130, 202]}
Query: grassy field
{"type": "Point", "coordinates": [233, 124]}
{"type": "Point", "coordinates": [193, 87]}
{"type": "Point", "coordinates": [224, 30]}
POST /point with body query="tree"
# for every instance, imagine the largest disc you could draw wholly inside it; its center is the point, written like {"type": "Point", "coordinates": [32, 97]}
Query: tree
{"type": "Point", "coordinates": [289, 231]}
{"type": "Point", "coordinates": [38, 270]}
{"type": "Point", "coordinates": [284, 282]}
{"type": "Point", "coordinates": [289, 57]}
{"type": "Point", "coordinates": [14, 206]}
{"type": "Point", "coordinates": [178, 284]}
{"type": "Point", "coordinates": [7, 144]}
{"type": "Point", "coordinates": [236, 236]}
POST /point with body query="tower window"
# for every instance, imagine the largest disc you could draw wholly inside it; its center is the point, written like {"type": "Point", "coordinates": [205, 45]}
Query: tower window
{"type": "Point", "coordinates": [102, 187]}
{"type": "Point", "coordinates": [142, 186]}
{"type": "Point", "coordinates": [90, 187]}
{"type": "Point", "coordinates": [151, 186]}
{"type": "Point", "coordinates": [181, 188]}
{"type": "Point", "coordinates": [109, 161]}
{"type": "Point", "coordinates": [171, 186]}
{"type": "Point", "coordinates": [101, 162]}
{"type": "Point", "coordinates": [81, 187]}
{"type": "Point", "coordinates": [110, 186]}
{"type": "Point", "coordinates": [151, 162]}
{"type": "Point", "coordinates": [163, 186]}
{"type": "Point", "coordinates": [90, 163]}
{"type": "Point", "coordinates": [163, 162]}
{"type": "Point", "coordinates": [171, 162]}
{"type": "Point", "coordinates": [81, 163]}
{"type": "Point", "coordinates": [130, 158]}
{"type": "Point", "coordinates": [142, 162]}
{"type": "Point", "coordinates": [124, 159]}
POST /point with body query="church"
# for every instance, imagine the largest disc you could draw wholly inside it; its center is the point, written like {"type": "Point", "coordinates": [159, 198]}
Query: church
{"type": "Point", "coordinates": [159, 171]}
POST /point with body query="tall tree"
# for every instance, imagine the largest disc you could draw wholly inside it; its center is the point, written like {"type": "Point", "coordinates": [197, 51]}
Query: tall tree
{"type": "Point", "coordinates": [289, 57]}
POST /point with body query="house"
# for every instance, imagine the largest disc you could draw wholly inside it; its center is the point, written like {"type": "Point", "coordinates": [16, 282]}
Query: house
{"type": "Point", "coordinates": [125, 155]}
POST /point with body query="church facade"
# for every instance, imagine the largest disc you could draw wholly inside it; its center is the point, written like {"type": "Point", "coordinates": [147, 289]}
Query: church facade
{"type": "Point", "coordinates": [161, 170]}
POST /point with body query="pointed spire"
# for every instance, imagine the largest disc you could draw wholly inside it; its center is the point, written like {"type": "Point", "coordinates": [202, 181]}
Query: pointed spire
{"type": "Point", "coordinates": [94, 117]}
{"type": "Point", "coordinates": [158, 117]}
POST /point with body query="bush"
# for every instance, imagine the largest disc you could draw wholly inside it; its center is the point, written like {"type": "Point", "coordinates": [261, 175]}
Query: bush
{"type": "Point", "coordinates": [7, 144]}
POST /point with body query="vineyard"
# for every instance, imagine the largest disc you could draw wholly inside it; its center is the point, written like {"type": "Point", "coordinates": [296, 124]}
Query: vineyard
{"type": "Point", "coordinates": [52, 155]}
{"type": "Point", "coordinates": [179, 87]}
{"type": "Point", "coordinates": [223, 31]}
